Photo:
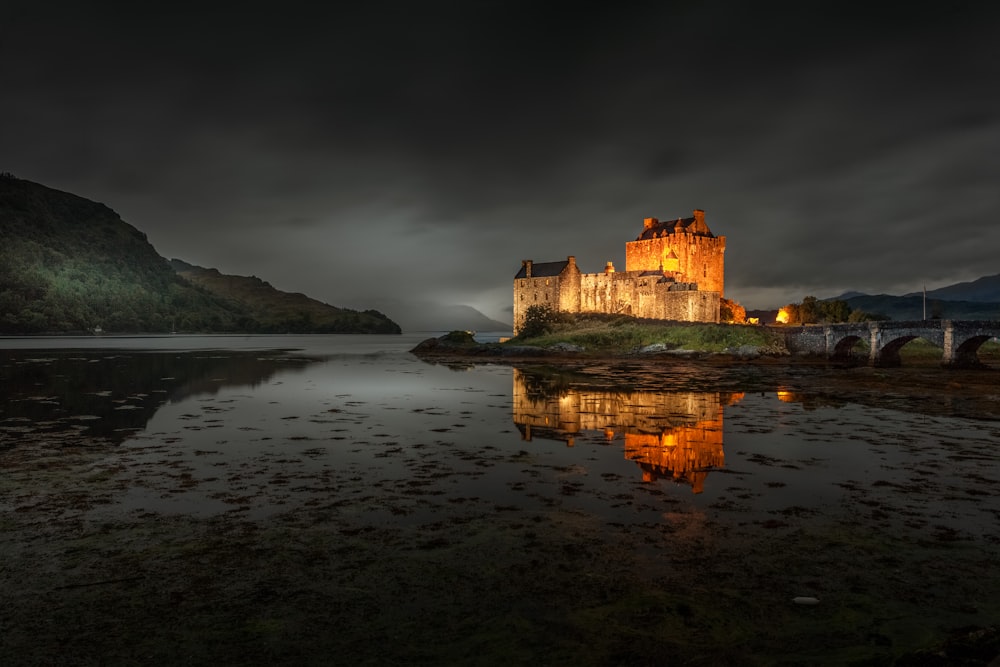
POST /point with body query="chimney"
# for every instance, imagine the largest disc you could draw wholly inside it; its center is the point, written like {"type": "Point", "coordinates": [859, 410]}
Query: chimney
{"type": "Point", "coordinates": [526, 265]}
{"type": "Point", "coordinates": [609, 268]}
{"type": "Point", "coordinates": [699, 226]}
{"type": "Point", "coordinates": [649, 223]}
{"type": "Point", "coordinates": [572, 260]}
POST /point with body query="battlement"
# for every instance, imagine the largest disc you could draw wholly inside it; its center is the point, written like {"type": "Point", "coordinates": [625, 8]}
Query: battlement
{"type": "Point", "coordinates": [674, 270]}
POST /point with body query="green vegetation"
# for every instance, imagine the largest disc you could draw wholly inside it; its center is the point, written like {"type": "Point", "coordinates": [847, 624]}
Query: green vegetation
{"type": "Point", "coordinates": [540, 320]}
{"type": "Point", "coordinates": [272, 311]}
{"type": "Point", "coordinates": [831, 311]}
{"type": "Point", "coordinates": [867, 307]}
{"type": "Point", "coordinates": [989, 351]}
{"type": "Point", "coordinates": [920, 351]}
{"type": "Point", "coordinates": [600, 332]}
{"type": "Point", "coordinates": [70, 265]}
{"type": "Point", "coordinates": [913, 307]}
{"type": "Point", "coordinates": [458, 337]}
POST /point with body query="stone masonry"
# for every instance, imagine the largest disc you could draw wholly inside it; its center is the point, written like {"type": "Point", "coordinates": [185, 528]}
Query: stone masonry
{"type": "Point", "coordinates": [674, 270]}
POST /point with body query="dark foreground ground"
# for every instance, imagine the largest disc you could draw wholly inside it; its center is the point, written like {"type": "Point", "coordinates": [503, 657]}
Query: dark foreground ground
{"type": "Point", "coordinates": [343, 580]}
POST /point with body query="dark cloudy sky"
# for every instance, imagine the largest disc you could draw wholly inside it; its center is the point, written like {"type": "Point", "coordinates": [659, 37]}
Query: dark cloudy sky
{"type": "Point", "coordinates": [423, 149]}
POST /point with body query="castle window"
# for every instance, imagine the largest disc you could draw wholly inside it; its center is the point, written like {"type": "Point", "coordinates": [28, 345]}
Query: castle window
{"type": "Point", "coordinates": [536, 297]}
{"type": "Point", "coordinates": [704, 271]}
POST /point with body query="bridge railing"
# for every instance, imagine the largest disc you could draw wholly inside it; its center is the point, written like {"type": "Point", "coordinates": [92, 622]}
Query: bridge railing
{"type": "Point", "coordinates": [959, 340]}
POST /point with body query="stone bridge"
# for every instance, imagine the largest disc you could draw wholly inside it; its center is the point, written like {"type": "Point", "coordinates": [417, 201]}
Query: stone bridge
{"type": "Point", "coordinates": [959, 339]}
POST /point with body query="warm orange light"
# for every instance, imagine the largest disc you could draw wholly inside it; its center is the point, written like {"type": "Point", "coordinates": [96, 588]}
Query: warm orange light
{"type": "Point", "coordinates": [782, 317]}
{"type": "Point", "coordinates": [786, 396]}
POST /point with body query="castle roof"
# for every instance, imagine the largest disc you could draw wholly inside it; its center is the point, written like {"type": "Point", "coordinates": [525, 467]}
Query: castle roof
{"type": "Point", "coordinates": [543, 269]}
{"type": "Point", "coordinates": [661, 227]}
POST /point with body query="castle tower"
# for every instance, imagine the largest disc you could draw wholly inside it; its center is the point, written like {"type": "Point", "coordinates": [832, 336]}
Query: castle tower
{"type": "Point", "coordinates": [674, 270]}
{"type": "Point", "coordinates": [685, 243]}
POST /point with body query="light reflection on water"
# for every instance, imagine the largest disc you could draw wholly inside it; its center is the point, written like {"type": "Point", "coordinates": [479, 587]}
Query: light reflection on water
{"type": "Point", "coordinates": [766, 452]}
{"type": "Point", "coordinates": [229, 432]}
{"type": "Point", "coordinates": [374, 440]}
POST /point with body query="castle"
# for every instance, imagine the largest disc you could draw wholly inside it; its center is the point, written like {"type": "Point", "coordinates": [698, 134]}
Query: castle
{"type": "Point", "coordinates": [673, 271]}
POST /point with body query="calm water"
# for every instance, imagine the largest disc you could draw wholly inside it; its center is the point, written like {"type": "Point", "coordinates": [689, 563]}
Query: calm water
{"type": "Point", "coordinates": [335, 500]}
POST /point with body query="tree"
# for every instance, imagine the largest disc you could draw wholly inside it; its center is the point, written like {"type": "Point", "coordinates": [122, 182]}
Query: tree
{"type": "Point", "coordinates": [814, 311]}
{"type": "Point", "coordinates": [862, 316]}
{"type": "Point", "coordinates": [809, 311]}
{"type": "Point", "coordinates": [730, 311]}
{"type": "Point", "coordinates": [790, 314]}
{"type": "Point", "coordinates": [834, 311]}
{"type": "Point", "coordinates": [538, 321]}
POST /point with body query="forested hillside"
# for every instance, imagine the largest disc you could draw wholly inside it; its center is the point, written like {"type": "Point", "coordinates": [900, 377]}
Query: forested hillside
{"type": "Point", "coordinates": [70, 265]}
{"type": "Point", "coordinates": [274, 311]}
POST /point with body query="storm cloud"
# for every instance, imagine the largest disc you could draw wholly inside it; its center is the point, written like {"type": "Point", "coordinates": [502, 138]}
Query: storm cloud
{"type": "Point", "coordinates": [422, 150]}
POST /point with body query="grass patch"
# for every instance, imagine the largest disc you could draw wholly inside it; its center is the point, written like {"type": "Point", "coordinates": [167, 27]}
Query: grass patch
{"type": "Point", "coordinates": [920, 349]}
{"type": "Point", "coordinates": [626, 334]}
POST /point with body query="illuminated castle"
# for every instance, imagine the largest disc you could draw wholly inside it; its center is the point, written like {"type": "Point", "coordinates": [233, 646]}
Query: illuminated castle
{"type": "Point", "coordinates": [673, 271]}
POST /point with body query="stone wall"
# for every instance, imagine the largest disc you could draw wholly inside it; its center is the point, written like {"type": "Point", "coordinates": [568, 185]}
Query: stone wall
{"type": "Point", "coordinates": [569, 288]}
{"type": "Point", "coordinates": [534, 292]}
{"type": "Point", "coordinates": [607, 293]}
{"type": "Point", "coordinates": [678, 274]}
{"type": "Point", "coordinates": [699, 259]}
{"type": "Point", "coordinates": [626, 293]}
{"type": "Point", "coordinates": [560, 292]}
{"type": "Point", "coordinates": [632, 293]}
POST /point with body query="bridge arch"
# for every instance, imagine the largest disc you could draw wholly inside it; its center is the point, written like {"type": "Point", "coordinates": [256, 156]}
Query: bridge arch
{"type": "Point", "coordinates": [888, 354]}
{"type": "Point", "coordinates": [959, 340]}
{"type": "Point", "coordinates": [843, 348]}
{"type": "Point", "coordinates": [966, 355]}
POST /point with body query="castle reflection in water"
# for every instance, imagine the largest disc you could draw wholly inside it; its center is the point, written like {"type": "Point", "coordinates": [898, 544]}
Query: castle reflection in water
{"type": "Point", "coordinates": [672, 435]}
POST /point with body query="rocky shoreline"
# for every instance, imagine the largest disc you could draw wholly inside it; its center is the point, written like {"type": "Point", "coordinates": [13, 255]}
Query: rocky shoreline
{"type": "Point", "coordinates": [964, 392]}
{"type": "Point", "coordinates": [462, 344]}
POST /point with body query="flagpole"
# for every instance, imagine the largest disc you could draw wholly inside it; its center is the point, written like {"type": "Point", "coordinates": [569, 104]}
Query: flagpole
{"type": "Point", "coordinates": [925, 303]}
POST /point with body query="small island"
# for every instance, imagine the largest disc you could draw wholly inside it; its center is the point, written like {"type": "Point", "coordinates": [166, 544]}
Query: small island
{"type": "Point", "coordinates": [594, 335]}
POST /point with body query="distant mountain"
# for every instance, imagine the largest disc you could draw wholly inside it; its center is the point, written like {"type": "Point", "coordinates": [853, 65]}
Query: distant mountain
{"type": "Point", "coordinates": [911, 307]}
{"type": "Point", "coordinates": [975, 300]}
{"type": "Point", "coordinates": [430, 316]}
{"type": "Point", "coordinates": [985, 289]}
{"type": "Point", "coordinates": [71, 265]}
{"type": "Point", "coordinates": [275, 311]}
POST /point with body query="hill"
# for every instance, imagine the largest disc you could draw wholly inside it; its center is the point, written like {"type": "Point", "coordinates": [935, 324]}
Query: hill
{"type": "Point", "coordinates": [432, 316]}
{"type": "Point", "coordinates": [975, 300]}
{"type": "Point", "coordinates": [911, 307]}
{"type": "Point", "coordinates": [985, 289]}
{"type": "Point", "coordinates": [274, 311]}
{"type": "Point", "coordinates": [71, 265]}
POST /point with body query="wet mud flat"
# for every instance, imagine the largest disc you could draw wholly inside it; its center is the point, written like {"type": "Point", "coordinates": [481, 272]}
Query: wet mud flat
{"type": "Point", "coordinates": [337, 532]}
